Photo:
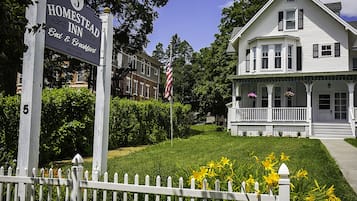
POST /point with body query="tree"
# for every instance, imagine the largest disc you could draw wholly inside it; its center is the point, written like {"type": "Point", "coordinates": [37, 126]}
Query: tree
{"type": "Point", "coordinates": [213, 89]}
{"type": "Point", "coordinates": [183, 75]}
{"type": "Point", "coordinates": [159, 53]}
{"type": "Point", "coordinates": [134, 22]}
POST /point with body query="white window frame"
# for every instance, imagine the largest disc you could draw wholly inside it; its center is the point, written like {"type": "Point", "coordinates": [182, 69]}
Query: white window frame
{"type": "Point", "coordinates": [135, 88]}
{"type": "Point", "coordinates": [128, 85]}
{"type": "Point", "coordinates": [148, 69]}
{"type": "Point", "coordinates": [265, 56]}
{"type": "Point", "coordinates": [135, 59]}
{"type": "Point", "coordinates": [143, 67]}
{"type": "Point", "coordinates": [155, 93]}
{"type": "Point", "coordinates": [295, 19]}
{"type": "Point", "coordinates": [322, 50]}
{"type": "Point", "coordinates": [141, 89]}
{"type": "Point", "coordinates": [147, 91]}
{"type": "Point", "coordinates": [289, 56]}
{"type": "Point", "coordinates": [277, 55]}
{"type": "Point", "coordinates": [254, 63]}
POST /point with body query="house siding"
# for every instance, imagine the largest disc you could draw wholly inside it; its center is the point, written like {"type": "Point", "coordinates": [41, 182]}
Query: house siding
{"type": "Point", "coordinates": [319, 28]}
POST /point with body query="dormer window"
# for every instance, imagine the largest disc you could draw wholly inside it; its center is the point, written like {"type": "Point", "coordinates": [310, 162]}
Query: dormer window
{"type": "Point", "coordinates": [290, 20]}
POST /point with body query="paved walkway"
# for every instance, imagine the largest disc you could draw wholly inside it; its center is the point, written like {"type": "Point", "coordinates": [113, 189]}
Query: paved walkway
{"type": "Point", "coordinates": [345, 156]}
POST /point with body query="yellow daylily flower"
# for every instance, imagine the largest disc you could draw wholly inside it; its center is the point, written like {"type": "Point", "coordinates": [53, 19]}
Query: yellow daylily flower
{"type": "Point", "coordinates": [268, 165]}
{"type": "Point", "coordinates": [211, 164]}
{"type": "Point", "coordinates": [301, 174]}
{"type": "Point", "coordinates": [224, 161]}
{"type": "Point", "coordinates": [272, 179]}
{"type": "Point", "coordinates": [284, 157]}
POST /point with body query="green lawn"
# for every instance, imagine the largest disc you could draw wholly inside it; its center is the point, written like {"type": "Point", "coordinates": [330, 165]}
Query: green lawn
{"type": "Point", "coordinates": [352, 141]}
{"type": "Point", "coordinates": [208, 144]}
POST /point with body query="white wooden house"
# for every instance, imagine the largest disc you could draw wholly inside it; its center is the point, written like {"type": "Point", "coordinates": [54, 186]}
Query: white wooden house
{"type": "Point", "coordinates": [297, 60]}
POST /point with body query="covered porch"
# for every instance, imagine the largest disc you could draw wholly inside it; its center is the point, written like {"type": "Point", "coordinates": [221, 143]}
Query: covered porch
{"type": "Point", "coordinates": [296, 104]}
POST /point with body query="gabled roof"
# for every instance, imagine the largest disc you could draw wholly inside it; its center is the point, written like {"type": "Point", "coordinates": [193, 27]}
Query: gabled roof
{"type": "Point", "coordinates": [268, 4]}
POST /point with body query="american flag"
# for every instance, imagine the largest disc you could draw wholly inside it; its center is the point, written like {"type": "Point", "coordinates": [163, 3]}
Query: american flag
{"type": "Point", "coordinates": [168, 87]}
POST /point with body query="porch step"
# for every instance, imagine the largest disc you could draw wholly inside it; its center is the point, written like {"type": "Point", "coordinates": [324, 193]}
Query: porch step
{"type": "Point", "coordinates": [331, 130]}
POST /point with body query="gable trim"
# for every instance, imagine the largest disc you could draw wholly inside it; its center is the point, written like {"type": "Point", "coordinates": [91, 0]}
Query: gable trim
{"type": "Point", "coordinates": [251, 21]}
{"type": "Point", "coordinates": [347, 26]}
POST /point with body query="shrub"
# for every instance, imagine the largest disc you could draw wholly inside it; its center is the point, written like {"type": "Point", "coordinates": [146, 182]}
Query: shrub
{"type": "Point", "coordinates": [146, 122]}
{"type": "Point", "coordinates": [67, 123]}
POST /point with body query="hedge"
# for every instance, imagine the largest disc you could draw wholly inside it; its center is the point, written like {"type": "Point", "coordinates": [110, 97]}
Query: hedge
{"type": "Point", "coordinates": [67, 123]}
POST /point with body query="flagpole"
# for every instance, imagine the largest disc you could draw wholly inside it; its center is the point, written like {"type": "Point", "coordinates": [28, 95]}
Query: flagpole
{"type": "Point", "coordinates": [171, 101]}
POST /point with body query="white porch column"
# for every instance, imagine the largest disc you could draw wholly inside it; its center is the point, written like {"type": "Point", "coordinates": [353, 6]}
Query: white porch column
{"type": "Point", "coordinates": [308, 87]}
{"type": "Point", "coordinates": [270, 88]}
{"type": "Point", "coordinates": [237, 92]}
{"type": "Point", "coordinates": [234, 100]}
{"type": "Point", "coordinates": [351, 114]}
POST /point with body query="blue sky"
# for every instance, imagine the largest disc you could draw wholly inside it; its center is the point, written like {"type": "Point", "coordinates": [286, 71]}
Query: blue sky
{"type": "Point", "coordinates": [196, 21]}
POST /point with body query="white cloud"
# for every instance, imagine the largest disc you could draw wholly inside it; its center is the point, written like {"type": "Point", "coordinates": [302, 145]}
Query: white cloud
{"type": "Point", "coordinates": [349, 7]}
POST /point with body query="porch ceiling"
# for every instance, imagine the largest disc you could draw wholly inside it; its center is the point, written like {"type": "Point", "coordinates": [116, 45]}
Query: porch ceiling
{"type": "Point", "coordinates": [307, 77]}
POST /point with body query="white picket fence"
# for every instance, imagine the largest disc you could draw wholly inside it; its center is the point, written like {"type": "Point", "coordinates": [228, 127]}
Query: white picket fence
{"type": "Point", "coordinates": [75, 187]}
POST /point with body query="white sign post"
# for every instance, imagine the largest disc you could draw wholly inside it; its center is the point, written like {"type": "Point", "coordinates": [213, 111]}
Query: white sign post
{"type": "Point", "coordinates": [102, 104]}
{"type": "Point", "coordinates": [30, 111]}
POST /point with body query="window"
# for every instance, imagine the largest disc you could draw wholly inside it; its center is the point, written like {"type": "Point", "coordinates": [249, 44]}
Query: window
{"type": "Point", "coordinates": [326, 50]}
{"type": "Point", "coordinates": [298, 58]}
{"type": "Point", "coordinates": [278, 56]}
{"type": "Point", "coordinates": [290, 20]}
{"type": "Point", "coordinates": [254, 58]}
{"type": "Point", "coordinates": [265, 59]}
{"type": "Point", "coordinates": [135, 87]}
{"type": "Point", "coordinates": [155, 71]}
{"type": "Point", "coordinates": [247, 60]}
{"type": "Point", "coordinates": [128, 85]}
{"type": "Point", "coordinates": [354, 64]}
{"type": "Point", "coordinates": [277, 97]}
{"type": "Point", "coordinates": [142, 67]}
{"type": "Point", "coordinates": [148, 69]}
{"type": "Point", "coordinates": [155, 93]}
{"type": "Point", "coordinates": [132, 63]}
{"type": "Point", "coordinates": [141, 89]}
{"type": "Point", "coordinates": [290, 55]}
{"type": "Point", "coordinates": [147, 91]}
{"type": "Point", "coordinates": [324, 101]}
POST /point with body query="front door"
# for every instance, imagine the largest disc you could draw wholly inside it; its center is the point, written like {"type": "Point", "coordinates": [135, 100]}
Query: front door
{"type": "Point", "coordinates": [325, 110]}
{"type": "Point", "coordinates": [332, 106]}
{"type": "Point", "coordinates": [340, 106]}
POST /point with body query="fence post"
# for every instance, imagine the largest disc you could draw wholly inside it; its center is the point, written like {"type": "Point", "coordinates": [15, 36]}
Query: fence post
{"type": "Point", "coordinates": [284, 183]}
{"type": "Point", "coordinates": [77, 174]}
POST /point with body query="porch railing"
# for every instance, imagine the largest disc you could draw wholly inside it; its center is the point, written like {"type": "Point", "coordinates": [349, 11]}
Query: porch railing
{"type": "Point", "coordinates": [278, 114]}
{"type": "Point", "coordinates": [252, 114]}
{"type": "Point", "coordinates": [355, 113]}
{"type": "Point", "coordinates": [289, 114]}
